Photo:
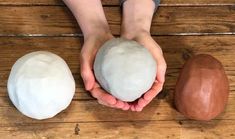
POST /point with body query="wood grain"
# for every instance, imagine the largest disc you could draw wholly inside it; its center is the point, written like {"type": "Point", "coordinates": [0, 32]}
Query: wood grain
{"type": "Point", "coordinates": [115, 2]}
{"type": "Point", "coordinates": [58, 21]}
{"type": "Point", "coordinates": [217, 129]}
{"type": "Point", "coordinates": [83, 111]}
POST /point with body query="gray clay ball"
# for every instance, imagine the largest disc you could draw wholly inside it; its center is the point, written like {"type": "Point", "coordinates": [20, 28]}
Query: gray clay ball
{"type": "Point", "coordinates": [125, 69]}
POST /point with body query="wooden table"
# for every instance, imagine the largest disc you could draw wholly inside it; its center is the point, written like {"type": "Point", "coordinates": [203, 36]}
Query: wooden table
{"type": "Point", "coordinates": [182, 28]}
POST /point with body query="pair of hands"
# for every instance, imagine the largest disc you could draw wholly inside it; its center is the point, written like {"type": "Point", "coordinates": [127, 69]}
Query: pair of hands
{"type": "Point", "coordinates": [88, 53]}
{"type": "Point", "coordinates": [136, 22]}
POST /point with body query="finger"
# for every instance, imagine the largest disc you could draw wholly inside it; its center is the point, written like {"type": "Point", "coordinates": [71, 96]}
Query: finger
{"type": "Point", "coordinates": [87, 74]}
{"type": "Point", "coordinates": [126, 107]}
{"type": "Point", "coordinates": [105, 104]}
{"type": "Point", "coordinates": [132, 108]}
{"type": "Point", "coordinates": [142, 103]}
{"type": "Point", "coordinates": [100, 94]}
{"type": "Point", "coordinates": [138, 108]}
{"type": "Point", "coordinates": [156, 88]}
{"type": "Point", "coordinates": [120, 104]}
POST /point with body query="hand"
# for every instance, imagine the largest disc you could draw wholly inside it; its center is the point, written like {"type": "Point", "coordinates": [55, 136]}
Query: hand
{"type": "Point", "coordinates": [96, 31]}
{"type": "Point", "coordinates": [147, 41]}
{"type": "Point", "coordinates": [136, 23]}
{"type": "Point", "coordinates": [88, 52]}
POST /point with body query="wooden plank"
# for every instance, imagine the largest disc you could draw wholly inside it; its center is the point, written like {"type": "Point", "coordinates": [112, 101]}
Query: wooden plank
{"type": "Point", "coordinates": [122, 130]}
{"type": "Point", "coordinates": [176, 49]}
{"type": "Point", "coordinates": [57, 21]}
{"type": "Point", "coordinates": [196, 2]}
{"type": "Point", "coordinates": [82, 111]}
{"type": "Point", "coordinates": [31, 2]}
{"type": "Point", "coordinates": [115, 2]}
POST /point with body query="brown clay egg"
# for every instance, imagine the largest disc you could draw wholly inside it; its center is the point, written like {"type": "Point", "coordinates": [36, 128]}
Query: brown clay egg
{"type": "Point", "coordinates": [202, 88]}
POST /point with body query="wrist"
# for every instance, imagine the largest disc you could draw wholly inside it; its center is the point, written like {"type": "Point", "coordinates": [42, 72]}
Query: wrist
{"type": "Point", "coordinates": [90, 16]}
{"type": "Point", "coordinates": [98, 29]}
{"type": "Point", "coordinates": [99, 36]}
{"type": "Point", "coordinates": [137, 17]}
{"type": "Point", "coordinates": [134, 34]}
{"type": "Point", "coordinates": [94, 26]}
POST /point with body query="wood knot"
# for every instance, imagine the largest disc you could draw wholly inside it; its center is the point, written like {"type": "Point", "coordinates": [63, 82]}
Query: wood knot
{"type": "Point", "coordinates": [76, 129]}
{"type": "Point", "coordinates": [180, 122]}
{"type": "Point", "coordinates": [186, 54]}
{"type": "Point", "coordinates": [45, 16]}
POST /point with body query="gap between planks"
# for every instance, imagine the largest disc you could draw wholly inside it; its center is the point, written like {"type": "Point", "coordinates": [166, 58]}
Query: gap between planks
{"type": "Point", "coordinates": [115, 5]}
{"type": "Point", "coordinates": [81, 35]}
{"type": "Point", "coordinates": [121, 121]}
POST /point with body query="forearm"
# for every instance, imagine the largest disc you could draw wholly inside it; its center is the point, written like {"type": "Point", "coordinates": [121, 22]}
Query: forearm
{"type": "Point", "coordinates": [137, 17]}
{"type": "Point", "coordinates": [90, 16]}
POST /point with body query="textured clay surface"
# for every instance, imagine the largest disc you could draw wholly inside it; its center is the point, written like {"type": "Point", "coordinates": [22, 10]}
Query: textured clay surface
{"type": "Point", "coordinates": [202, 88]}
{"type": "Point", "coordinates": [41, 85]}
{"type": "Point", "coordinates": [125, 69]}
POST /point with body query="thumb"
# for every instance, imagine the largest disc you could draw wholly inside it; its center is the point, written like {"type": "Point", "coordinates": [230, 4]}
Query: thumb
{"type": "Point", "coordinates": [161, 69]}
{"type": "Point", "coordinates": [87, 75]}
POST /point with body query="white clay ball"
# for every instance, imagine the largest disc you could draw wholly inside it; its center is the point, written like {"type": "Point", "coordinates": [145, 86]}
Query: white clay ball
{"type": "Point", "coordinates": [41, 85]}
{"type": "Point", "coordinates": [125, 69]}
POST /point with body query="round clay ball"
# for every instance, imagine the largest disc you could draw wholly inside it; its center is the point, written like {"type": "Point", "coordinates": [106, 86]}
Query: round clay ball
{"type": "Point", "coordinates": [41, 85]}
{"type": "Point", "coordinates": [125, 69]}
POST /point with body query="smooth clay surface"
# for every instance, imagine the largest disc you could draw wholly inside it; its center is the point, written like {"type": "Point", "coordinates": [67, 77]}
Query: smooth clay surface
{"type": "Point", "coordinates": [202, 89]}
{"type": "Point", "coordinates": [41, 85]}
{"type": "Point", "coordinates": [125, 69]}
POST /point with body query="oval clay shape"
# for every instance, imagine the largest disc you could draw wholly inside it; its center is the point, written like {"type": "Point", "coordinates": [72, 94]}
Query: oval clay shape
{"type": "Point", "coordinates": [202, 88]}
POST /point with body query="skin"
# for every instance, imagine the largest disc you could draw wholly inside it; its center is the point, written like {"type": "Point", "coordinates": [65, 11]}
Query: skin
{"type": "Point", "coordinates": [136, 23]}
